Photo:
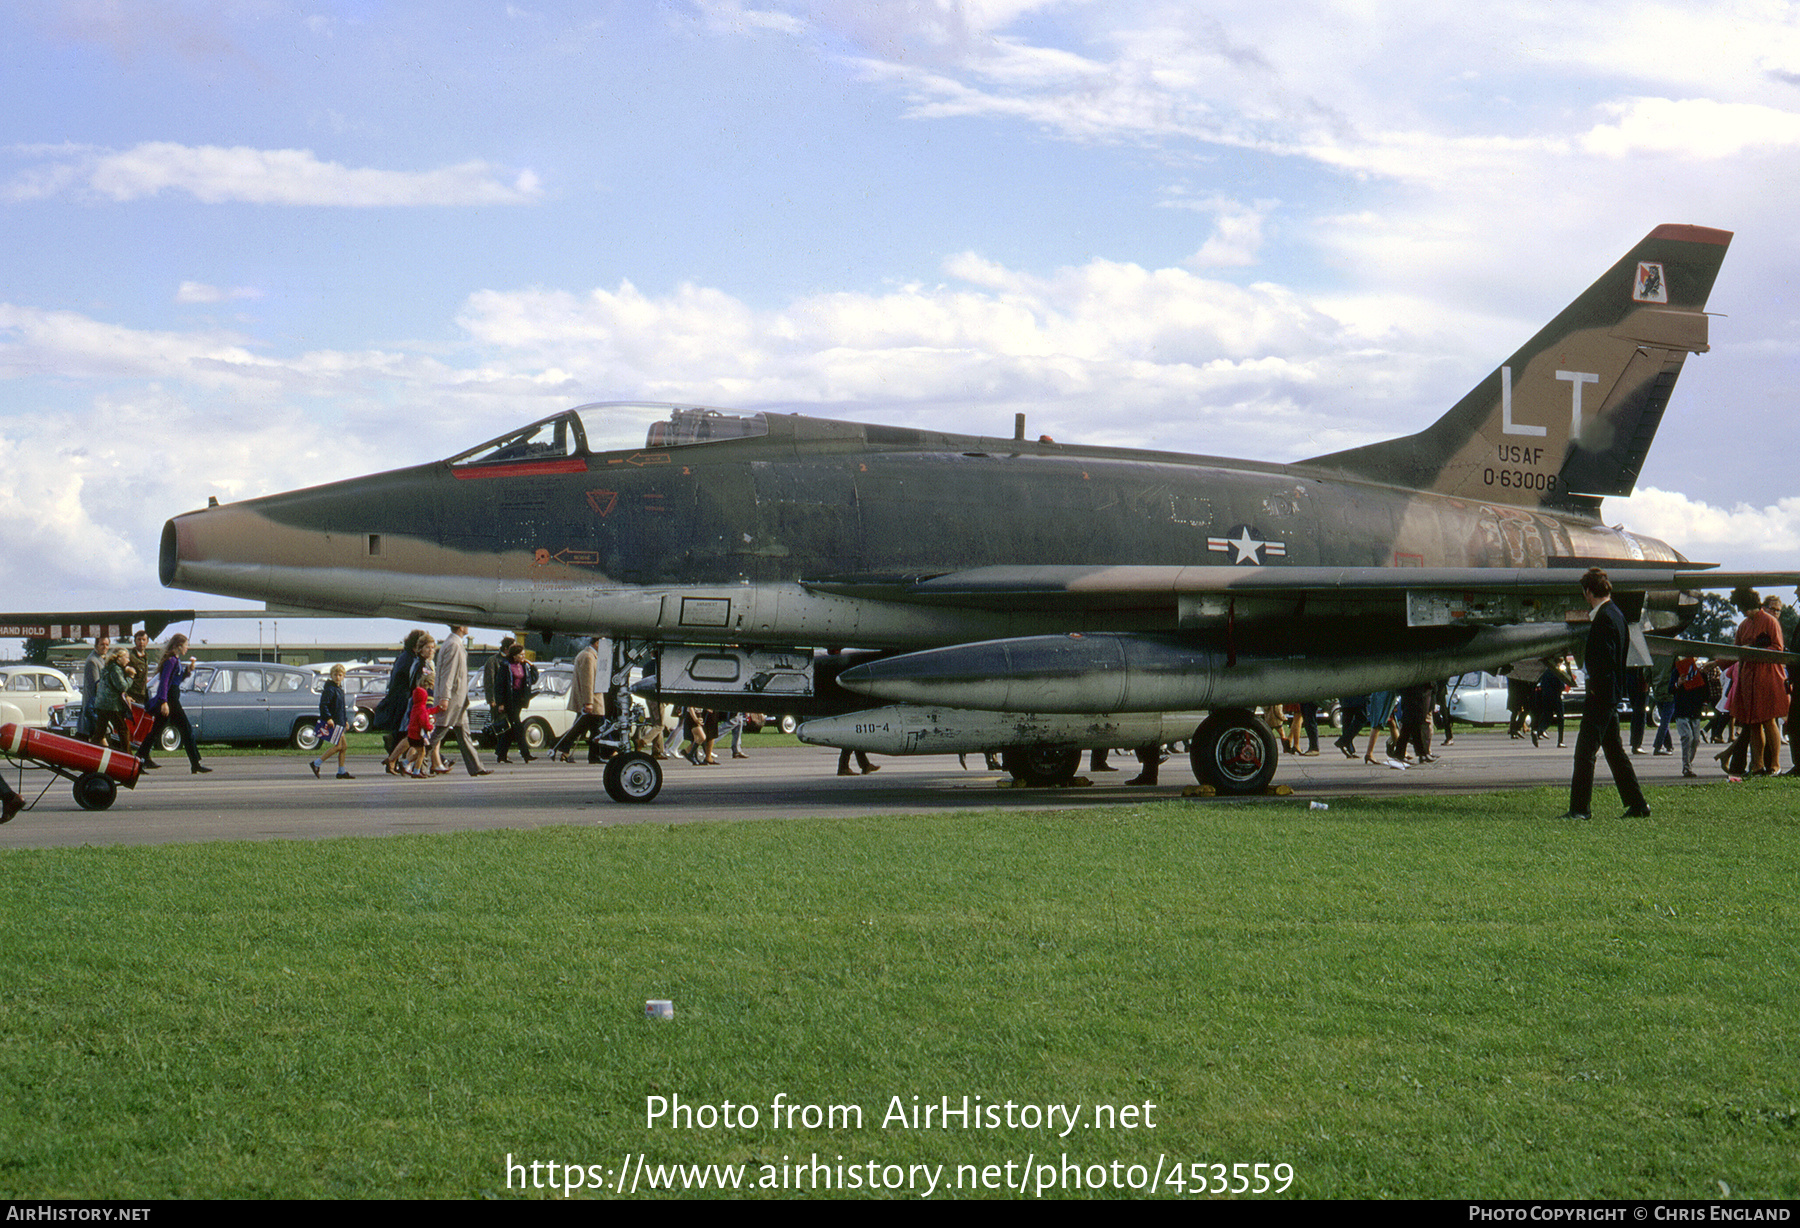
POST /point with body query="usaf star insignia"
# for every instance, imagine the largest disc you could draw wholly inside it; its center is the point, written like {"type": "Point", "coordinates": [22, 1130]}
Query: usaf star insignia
{"type": "Point", "coordinates": [1246, 547]}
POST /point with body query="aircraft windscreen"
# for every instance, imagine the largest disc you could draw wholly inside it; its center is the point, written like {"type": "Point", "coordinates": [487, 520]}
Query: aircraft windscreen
{"type": "Point", "coordinates": [550, 439]}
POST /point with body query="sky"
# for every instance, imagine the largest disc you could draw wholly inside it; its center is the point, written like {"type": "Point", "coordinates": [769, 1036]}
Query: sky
{"type": "Point", "coordinates": [261, 245]}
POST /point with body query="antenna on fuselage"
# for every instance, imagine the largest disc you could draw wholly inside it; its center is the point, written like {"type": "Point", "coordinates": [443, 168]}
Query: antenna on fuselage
{"type": "Point", "coordinates": [1019, 426]}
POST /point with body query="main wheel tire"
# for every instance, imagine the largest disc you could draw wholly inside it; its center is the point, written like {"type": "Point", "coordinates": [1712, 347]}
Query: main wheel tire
{"type": "Point", "coordinates": [305, 736]}
{"type": "Point", "coordinates": [537, 734]}
{"type": "Point", "coordinates": [1041, 766]}
{"type": "Point", "coordinates": [94, 791]}
{"type": "Point", "coordinates": [1234, 752]}
{"type": "Point", "coordinates": [633, 777]}
{"type": "Point", "coordinates": [789, 724]}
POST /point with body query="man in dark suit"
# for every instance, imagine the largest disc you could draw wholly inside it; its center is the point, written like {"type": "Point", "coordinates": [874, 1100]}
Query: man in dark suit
{"type": "Point", "coordinates": [1606, 681]}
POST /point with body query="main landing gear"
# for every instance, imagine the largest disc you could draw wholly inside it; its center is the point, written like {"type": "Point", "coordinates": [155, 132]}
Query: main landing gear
{"type": "Point", "coordinates": [1041, 766]}
{"type": "Point", "coordinates": [1234, 752]}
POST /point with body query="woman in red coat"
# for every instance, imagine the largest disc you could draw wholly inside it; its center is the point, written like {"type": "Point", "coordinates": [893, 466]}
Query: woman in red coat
{"type": "Point", "coordinates": [1760, 699]}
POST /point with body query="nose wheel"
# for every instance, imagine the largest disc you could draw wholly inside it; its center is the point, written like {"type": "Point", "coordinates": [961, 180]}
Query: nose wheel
{"type": "Point", "coordinates": [633, 777]}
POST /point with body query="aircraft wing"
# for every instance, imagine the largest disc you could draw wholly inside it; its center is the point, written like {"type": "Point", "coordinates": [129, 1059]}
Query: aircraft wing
{"type": "Point", "coordinates": [85, 624]}
{"type": "Point", "coordinates": [1080, 587]}
{"type": "Point", "coordinates": [1666, 646]}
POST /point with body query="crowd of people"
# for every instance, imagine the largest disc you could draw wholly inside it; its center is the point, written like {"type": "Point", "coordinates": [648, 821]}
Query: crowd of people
{"type": "Point", "coordinates": [426, 702]}
{"type": "Point", "coordinates": [428, 699]}
{"type": "Point", "coordinates": [1406, 717]}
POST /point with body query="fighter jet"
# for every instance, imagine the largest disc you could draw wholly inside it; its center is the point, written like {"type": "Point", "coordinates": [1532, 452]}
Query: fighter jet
{"type": "Point", "coordinates": [1032, 597]}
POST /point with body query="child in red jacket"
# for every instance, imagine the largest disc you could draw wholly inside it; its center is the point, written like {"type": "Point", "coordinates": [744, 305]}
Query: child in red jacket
{"type": "Point", "coordinates": [419, 727]}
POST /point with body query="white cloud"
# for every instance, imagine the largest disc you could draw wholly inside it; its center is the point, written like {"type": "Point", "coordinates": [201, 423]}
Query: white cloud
{"type": "Point", "coordinates": [1237, 237]}
{"type": "Point", "coordinates": [726, 16]}
{"type": "Point", "coordinates": [194, 33]}
{"type": "Point", "coordinates": [1740, 536]}
{"type": "Point", "coordinates": [1107, 351]}
{"type": "Point", "coordinates": [52, 527]}
{"type": "Point", "coordinates": [68, 344]}
{"type": "Point", "coordinates": [1398, 89]}
{"type": "Point", "coordinates": [1692, 128]}
{"type": "Point", "coordinates": [200, 292]}
{"type": "Point", "coordinates": [162, 420]}
{"type": "Point", "coordinates": [88, 488]}
{"type": "Point", "coordinates": [215, 174]}
{"type": "Point", "coordinates": [72, 346]}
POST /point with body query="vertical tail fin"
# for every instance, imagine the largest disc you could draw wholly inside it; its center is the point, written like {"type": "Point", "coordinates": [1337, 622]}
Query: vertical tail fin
{"type": "Point", "coordinates": [1572, 414]}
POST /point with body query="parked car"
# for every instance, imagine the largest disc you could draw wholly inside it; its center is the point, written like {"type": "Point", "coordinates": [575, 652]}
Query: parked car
{"type": "Point", "coordinates": [364, 687]}
{"type": "Point", "coordinates": [546, 718]}
{"type": "Point", "coordinates": [35, 689]}
{"type": "Point", "coordinates": [250, 701]}
{"type": "Point", "coordinates": [1479, 698]}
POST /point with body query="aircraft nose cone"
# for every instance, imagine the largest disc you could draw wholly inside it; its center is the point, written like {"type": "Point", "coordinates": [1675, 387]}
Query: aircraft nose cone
{"type": "Point", "coordinates": [217, 550]}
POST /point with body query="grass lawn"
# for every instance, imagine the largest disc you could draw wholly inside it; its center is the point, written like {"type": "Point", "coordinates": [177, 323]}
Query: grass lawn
{"type": "Point", "coordinates": [1426, 997]}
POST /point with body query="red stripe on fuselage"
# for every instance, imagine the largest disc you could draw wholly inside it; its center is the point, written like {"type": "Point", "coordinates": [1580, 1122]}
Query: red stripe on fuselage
{"type": "Point", "coordinates": [524, 469]}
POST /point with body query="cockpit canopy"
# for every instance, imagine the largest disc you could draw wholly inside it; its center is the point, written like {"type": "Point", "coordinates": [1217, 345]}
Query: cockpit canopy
{"type": "Point", "coordinates": [616, 426]}
{"type": "Point", "coordinates": [703, 426]}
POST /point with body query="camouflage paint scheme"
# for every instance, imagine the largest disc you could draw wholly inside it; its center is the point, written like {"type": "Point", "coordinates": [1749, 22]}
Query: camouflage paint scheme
{"type": "Point", "coordinates": [1197, 580]}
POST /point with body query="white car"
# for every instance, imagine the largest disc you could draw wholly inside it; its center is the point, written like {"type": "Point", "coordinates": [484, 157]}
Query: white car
{"type": "Point", "coordinates": [546, 718]}
{"type": "Point", "coordinates": [35, 689]}
{"type": "Point", "coordinates": [1479, 699]}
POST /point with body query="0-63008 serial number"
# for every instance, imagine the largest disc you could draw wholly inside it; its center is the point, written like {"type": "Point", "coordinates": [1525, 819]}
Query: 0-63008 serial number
{"type": "Point", "coordinates": [1519, 479]}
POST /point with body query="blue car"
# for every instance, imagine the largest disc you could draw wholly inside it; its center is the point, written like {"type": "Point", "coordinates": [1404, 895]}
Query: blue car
{"type": "Point", "coordinates": [250, 701]}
